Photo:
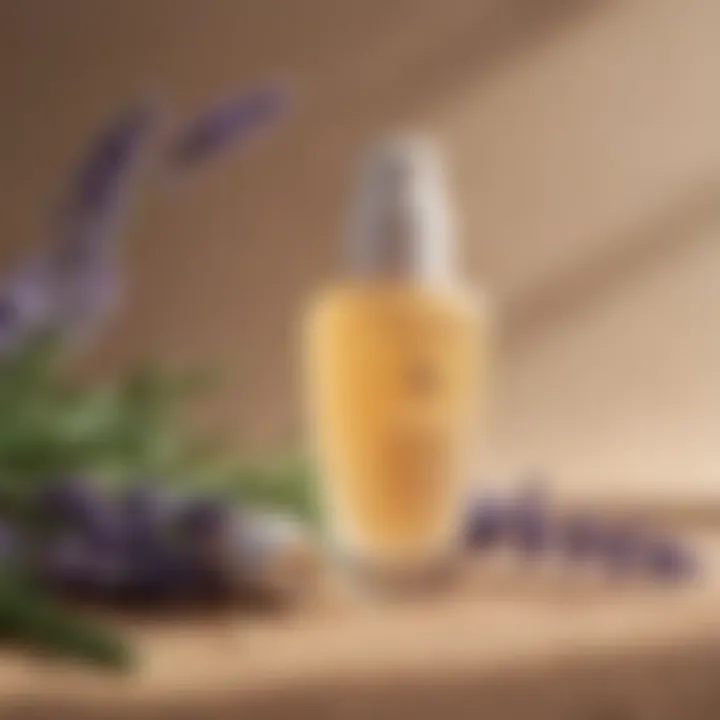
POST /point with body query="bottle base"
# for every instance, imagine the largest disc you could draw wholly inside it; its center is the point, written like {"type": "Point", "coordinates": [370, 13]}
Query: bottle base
{"type": "Point", "coordinates": [396, 580]}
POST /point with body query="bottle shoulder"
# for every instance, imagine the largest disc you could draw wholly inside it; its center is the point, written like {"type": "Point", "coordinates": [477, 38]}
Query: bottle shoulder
{"type": "Point", "coordinates": [346, 305]}
{"type": "Point", "coordinates": [462, 296]}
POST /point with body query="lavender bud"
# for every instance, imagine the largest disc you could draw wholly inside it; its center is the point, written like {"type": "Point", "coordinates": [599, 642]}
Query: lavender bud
{"type": "Point", "coordinates": [148, 510]}
{"type": "Point", "coordinates": [87, 298]}
{"type": "Point", "coordinates": [530, 522]}
{"type": "Point", "coordinates": [580, 537]}
{"type": "Point", "coordinates": [667, 559]}
{"type": "Point", "coordinates": [26, 305]}
{"type": "Point", "coordinates": [622, 547]}
{"type": "Point", "coordinates": [486, 524]}
{"type": "Point", "coordinates": [102, 177]}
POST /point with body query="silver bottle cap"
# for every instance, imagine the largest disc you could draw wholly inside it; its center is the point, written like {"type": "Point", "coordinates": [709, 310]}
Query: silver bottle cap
{"type": "Point", "coordinates": [402, 221]}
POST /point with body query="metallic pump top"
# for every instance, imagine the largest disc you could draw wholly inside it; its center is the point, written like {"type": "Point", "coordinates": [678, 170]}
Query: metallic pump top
{"type": "Point", "coordinates": [401, 226]}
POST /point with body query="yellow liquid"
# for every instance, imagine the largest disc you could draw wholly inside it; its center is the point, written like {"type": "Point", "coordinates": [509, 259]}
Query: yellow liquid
{"type": "Point", "coordinates": [394, 377]}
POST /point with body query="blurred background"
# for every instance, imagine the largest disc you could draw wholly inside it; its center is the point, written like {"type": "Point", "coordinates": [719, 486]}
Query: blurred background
{"type": "Point", "coordinates": [584, 141]}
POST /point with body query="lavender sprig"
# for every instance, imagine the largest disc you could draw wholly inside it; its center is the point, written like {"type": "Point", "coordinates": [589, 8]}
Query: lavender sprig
{"type": "Point", "coordinates": [527, 524]}
{"type": "Point", "coordinates": [83, 260]}
{"type": "Point", "coordinates": [72, 285]}
{"type": "Point", "coordinates": [225, 125]}
{"type": "Point", "coordinates": [68, 290]}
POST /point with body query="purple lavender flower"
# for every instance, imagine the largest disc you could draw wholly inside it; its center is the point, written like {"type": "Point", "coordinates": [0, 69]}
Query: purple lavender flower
{"type": "Point", "coordinates": [79, 504]}
{"type": "Point", "coordinates": [225, 124]}
{"type": "Point", "coordinates": [531, 527]}
{"type": "Point", "coordinates": [25, 305]}
{"type": "Point", "coordinates": [73, 283]}
{"type": "Point", "coordinates": [87, 296]}
{"type": "Point", "coordinates": [486, 523]}
{"type": "Point", "coordinates": [82, 261]}
{"type": "Point", "coordinates": [102, 178]}
{"type": "Point", "coordinates": [149, 512]}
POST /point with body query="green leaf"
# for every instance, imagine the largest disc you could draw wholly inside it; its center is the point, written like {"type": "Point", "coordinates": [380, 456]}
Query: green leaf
{"type": "Point", "coordinates": [285, 484]}
{"type": "Point", "coordinates": [31, 619]}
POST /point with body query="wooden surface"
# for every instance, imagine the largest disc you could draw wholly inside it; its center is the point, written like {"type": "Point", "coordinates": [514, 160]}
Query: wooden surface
{"type": "Point", "coordinates": [515, 643]}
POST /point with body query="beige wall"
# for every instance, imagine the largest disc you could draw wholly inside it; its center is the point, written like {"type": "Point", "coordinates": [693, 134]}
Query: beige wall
{"type": "Point", "coordinates": [585, 138]}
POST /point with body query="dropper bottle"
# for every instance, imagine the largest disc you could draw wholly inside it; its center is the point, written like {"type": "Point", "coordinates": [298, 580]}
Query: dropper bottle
{"type": "Point", "coordinates": [394, 354]}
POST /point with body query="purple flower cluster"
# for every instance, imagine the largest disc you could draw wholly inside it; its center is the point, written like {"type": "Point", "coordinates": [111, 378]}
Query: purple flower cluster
{"type": "Point", "coordinates": [144, 546]}
{"type": "Point", "coordinates": [527, 523]}
{"type": "Point", "coordinates": [71, 286]}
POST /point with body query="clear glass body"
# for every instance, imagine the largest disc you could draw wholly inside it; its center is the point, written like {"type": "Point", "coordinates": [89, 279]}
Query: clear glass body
{"type": "Point", "coordinates": [395, 376]}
